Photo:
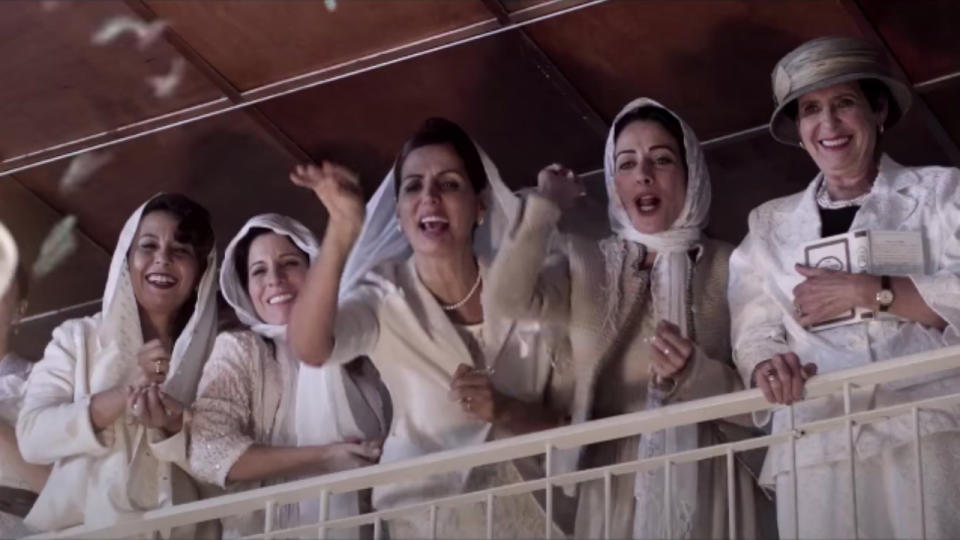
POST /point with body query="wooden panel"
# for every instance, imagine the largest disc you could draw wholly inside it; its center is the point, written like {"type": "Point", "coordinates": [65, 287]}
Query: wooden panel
{"type": "Point", "coordinates": [710, 60]}
{"type": "Point", "coordinates": [257, 42]}
{"type": "Point", "coordinates": [225, 163]}
{"type": "Point", "coordinates": [922, 34]}
{"type": "Point", "coordinates": [488, 86]}
{"type": "Point", "coordinates": [943, 102]}
{"type": "Point", "coordinates": [58, 86]}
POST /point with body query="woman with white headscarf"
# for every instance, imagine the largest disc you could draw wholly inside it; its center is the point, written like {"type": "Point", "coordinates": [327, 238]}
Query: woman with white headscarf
{"type": "Point", "coordinates": [105, 404]}
{"type": "Point", "coordinates": [246, 416]}
{"type": "Point", "coordinates": [458, 373]}
{"type": "Point", "coordinates": [647, 318]}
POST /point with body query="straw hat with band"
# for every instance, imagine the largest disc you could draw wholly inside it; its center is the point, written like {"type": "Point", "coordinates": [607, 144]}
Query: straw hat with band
{"type": "Point", "coordinates": [824, 62]}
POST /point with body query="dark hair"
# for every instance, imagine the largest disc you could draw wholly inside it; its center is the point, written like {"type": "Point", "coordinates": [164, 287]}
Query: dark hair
{"type": "Point", "coordinates": [241, 252]}
{"type": "Point", "coordinates": [443, 131]}
{"type": "Point", "coordinates": [876, 92]}
{"type": "Point", "coordinates": [651, 113]}
{"type": "Point", "coordinates": [193, 223]}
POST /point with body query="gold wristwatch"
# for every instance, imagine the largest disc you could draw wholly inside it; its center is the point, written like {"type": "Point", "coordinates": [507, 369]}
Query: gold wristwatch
{"type": "Point", "coordinates": [885, 295]}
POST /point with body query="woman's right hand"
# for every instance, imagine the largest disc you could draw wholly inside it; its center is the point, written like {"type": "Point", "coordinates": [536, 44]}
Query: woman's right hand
{"type": "Point", "coordinates": [349, 455]}
{"type": "Point", "coordinates": [782, 378]}
{"type": "Point", "coordinates": [338, 188]}
{"type": "Point", "coordinates": [560, 185]}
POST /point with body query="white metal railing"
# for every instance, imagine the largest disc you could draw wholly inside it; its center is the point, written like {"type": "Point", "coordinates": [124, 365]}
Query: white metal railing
{"type": "Point", "coordinates": [546, 443]}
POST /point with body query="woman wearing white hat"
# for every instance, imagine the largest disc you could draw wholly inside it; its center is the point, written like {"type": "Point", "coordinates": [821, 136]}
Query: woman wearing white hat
{"type": "Point", "coordinates": [836, 97]}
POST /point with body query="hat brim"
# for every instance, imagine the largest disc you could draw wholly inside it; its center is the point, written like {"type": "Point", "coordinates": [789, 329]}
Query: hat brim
{"type": "Point", "coordinates": [784, 129]}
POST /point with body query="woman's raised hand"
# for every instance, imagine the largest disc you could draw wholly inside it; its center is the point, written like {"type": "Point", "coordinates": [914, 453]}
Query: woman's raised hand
{"type": "Point", "coordinates": [560, 185]}
{"type": "Point", "coordinates": [474, 392]}
{"type": "Point", "coordinates": [153, 408]}
{"type": "Point", "coordinates": [782, 378]}
{"type": "Point", "coordinates": [349, 455]}
{"type": "Point", "coordinates": [338, 188]}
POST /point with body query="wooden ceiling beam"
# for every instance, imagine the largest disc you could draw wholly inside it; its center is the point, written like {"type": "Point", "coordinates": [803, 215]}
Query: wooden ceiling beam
{"type": "Point", "coordinates": [217, 79]}
{"type": "Point", "coordinates": [872, 33]}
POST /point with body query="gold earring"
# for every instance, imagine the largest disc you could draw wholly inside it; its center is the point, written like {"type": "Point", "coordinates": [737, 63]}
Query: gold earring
{"type": "Point", "coordinates": [881, 129]}
{"type": "Point", "coordinates": [480, 222]}
{"type": "Point", "coordinates": [800, 144]}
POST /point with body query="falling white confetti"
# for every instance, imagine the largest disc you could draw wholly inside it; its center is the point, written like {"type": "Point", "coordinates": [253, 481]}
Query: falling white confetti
{"type": "Point", "coordinates": [147, 33]}
{"type": "Point", "coordinates": [56, 247]}
{"type": "Point", "coordinates": [81, 168]}
{"type": "Point", "coordinates": [331, 5]}
{"type": "Point", "coordinates": [165, 85]}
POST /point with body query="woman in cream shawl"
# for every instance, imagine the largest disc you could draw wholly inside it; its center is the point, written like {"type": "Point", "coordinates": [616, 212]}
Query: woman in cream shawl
{"type": "Point", "coordinates": [647, 318]}
{"type": "Point", "coordinates": [105, 404]}
{"type": "Point", "coordinates": [248, 411]}
{"type": "Point", "coordinates": [458, 373]}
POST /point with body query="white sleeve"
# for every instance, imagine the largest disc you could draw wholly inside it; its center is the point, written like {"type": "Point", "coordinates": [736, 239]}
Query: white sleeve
{"type": "Point", "coordinates": [941, 289]}
{"type": "Point", "coordinates": [357, 327]}
{"type": "Point", "coordinates": [53, 425]}
{"type": "Point", "coordinates": [756, 324]}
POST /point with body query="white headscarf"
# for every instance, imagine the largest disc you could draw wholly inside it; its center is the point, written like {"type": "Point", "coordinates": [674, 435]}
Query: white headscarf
{"type": "Point", "coordinates": [8, 259]}
{"type": "Point", "coordinates": [321, 409]}
{"type": "Point", "coordinates": [120, 325]}
{"type": "Point", "coordinates": [381, 240]}
{"type": "Point", "coordinates": [671, 274]}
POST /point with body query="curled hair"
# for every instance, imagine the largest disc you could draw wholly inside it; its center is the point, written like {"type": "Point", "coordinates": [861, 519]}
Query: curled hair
{"type": "Point", "coordinates": [659, 115]}
{"type": "Point", "coordinates": [443, 131]}
{"type": "Point", "coordinates": [193, 223]}
{"type": "Point", "coordinates": [874, 90]}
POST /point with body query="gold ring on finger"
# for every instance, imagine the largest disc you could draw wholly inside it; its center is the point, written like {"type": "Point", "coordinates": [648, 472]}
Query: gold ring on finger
{"type": "Point", "coordinates": [157, 367]}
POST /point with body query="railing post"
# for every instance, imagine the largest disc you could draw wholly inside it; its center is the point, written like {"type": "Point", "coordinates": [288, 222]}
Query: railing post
{"type": "Point", "coordinates": [918, 455]}
{"type": "Point", "coordinates": [324, 513]}
{"type": "Point", "coordinates": [377, 528]}
{"type": "Point", "coordinates": [548, 533]}
{"type": "Point", "coordinates": [794, 483]}
{"type": "Point", "coordinates": [489, 516]}
{"type": "Point", "coordinates": [607, 489]}
{"type": "Point", "coordinates": [668, 497]}
{"type": "Point", "coordinates": [433, 521]}
{"type": "Point", "coordinates": [847, 409]}
{"type": "Point", "coordinates": [268, 518]}
{"type": "Point", "coordinates": [731, 494]}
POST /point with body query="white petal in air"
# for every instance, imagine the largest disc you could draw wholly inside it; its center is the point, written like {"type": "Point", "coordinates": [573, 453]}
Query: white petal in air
{"type": "Point", "coordinates": [331, 5]}
{"type": "Point", "coordinates": [164, 86]}
{"type": "Point", "coordinates": [50, 5]}
{"type": "Point", "coordinates": [56, 247]}
{"type": "Point", "coordinates": [81, 168]}
{"type": "Point", "coordinates": [146, 33]}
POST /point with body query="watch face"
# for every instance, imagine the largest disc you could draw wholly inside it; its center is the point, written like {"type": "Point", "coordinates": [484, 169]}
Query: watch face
{"type": "Point", "coordinates": [885, 297]}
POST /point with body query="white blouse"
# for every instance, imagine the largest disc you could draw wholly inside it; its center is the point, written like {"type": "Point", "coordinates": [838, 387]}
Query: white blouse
{"type": "Point", "coordinates": [392, 318]}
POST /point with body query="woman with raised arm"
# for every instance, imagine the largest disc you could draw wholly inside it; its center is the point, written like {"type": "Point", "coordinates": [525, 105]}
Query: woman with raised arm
{"type": "Point", "coordinates": [835, 99]}
{"type": "Point", "coordinates": [647, 317]}
{"type": "Point", "coordinates": [411, 299]}
{"type": "Point", "coordinates": [106, 403]}
{"type": "Point", "coordinates": [246, 416]}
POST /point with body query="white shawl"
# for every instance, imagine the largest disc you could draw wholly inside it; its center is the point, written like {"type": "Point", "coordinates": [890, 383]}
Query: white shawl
{"type": "Point", "coordinates": [670, 279]}
{"type": "Point", "coordinates": [8, 258]}
{"type": "Point", "coordinates": [320, 408]}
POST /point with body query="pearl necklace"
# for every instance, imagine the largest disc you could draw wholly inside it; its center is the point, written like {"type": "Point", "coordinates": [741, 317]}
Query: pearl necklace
{"type": "Point", "coordinates": [824, 201]}
{"type": "Point", "coordinates": [470, 293]}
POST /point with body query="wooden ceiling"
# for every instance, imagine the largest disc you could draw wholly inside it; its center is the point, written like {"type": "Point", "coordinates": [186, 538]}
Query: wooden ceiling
{"type": "Point", "coordinates": [270, 83]}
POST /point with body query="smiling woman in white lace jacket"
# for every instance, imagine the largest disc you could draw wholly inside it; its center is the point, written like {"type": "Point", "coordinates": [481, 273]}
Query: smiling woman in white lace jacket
{"type": "Point", "coordinates": [837, 96]}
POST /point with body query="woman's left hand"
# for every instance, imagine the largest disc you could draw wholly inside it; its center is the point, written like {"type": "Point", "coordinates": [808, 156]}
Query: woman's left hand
{"type": "Point", "coordinates": [472, 389]}
{"type": "Point", "coordinates": [671, 351]}
{"type": "Point", "coordinates": [826, 294]}
{"type": "Point", "coordinates": [153, 408]}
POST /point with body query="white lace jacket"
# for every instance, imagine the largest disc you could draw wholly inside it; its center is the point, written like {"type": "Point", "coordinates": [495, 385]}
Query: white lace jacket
{"type": "Point", "coordinates": [762, 278]}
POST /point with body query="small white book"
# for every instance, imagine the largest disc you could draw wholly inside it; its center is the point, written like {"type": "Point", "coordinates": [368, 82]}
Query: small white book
{"type": "Point", "coordinates": [894, 253]}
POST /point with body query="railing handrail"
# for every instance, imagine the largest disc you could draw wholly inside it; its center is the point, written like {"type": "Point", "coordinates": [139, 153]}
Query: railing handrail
{"type": "Point", "coordinates": [626, 425]}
